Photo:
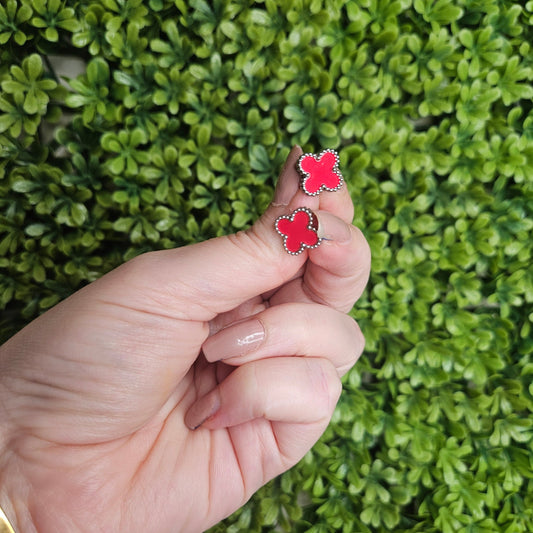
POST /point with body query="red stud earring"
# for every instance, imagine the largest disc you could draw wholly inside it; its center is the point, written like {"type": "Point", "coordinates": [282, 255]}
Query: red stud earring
{"type": "Point", "coordinates": [320, 172]}
{"type": "Point", "coordinates": [299, 230]}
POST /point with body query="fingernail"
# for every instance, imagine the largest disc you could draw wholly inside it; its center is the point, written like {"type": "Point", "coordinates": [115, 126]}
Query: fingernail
{"type": "Point", "coordinates": [234, 341]}
{"type": "Point", "coordinates": [288, 182]}
{"type": "Point", "coordinates": [204, 409]}
{"type": "Point", "coordinates": [332, 228]}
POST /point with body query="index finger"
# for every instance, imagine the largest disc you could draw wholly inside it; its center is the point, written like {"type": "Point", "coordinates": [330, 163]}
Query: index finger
{"type": "Point", "coordinates": [336, 272]}
{"type": "Point", "coordinates": [289, 193]}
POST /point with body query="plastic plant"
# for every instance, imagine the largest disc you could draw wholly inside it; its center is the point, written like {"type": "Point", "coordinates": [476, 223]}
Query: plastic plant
{"type": "Point", "coordinates": [175, 132]}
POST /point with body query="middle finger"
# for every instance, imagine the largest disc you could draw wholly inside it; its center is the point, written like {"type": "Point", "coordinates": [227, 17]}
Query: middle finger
{"type": "Point", "coordinates": [293, 329]}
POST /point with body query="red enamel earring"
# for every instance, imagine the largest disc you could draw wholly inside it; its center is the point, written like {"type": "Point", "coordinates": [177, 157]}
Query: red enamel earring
{"type": "Point", "coordinates": [299, 230]}
{"type": "Point", "coordinates": [320, 172]}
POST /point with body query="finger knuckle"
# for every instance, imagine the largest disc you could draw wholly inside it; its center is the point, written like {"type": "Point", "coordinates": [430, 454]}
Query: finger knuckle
{"type": "Point", "coordinates": [326, 384]}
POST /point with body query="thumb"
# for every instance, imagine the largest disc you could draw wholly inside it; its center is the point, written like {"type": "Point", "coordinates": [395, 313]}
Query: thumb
{"type": "Point", "coordinates": [199, 281]}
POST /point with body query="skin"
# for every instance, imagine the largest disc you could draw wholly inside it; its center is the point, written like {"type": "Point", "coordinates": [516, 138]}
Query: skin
{"type": "Point", "coordinates": [113, 419]}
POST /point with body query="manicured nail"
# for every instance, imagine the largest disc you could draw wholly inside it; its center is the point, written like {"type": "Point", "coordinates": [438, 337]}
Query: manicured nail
{"type": "Point", "coordinates": [288, 182]}
{"type": "Point", "coordinates": [205, 408]}
{"type": "Point", "coordinates": [234, 341]}
{"type": "Point", "coordinates": [332, 228]}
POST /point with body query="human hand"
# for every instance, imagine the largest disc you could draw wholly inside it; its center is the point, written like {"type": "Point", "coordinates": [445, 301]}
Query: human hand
{"type": "Point", "coordinates": [161, 396]}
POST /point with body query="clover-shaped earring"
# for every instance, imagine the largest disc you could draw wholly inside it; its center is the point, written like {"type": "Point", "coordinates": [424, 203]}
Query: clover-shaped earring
{"type": "Point", "coordinates": [299, 230]}
{"type": "Point", "coordinates": [320, 172]}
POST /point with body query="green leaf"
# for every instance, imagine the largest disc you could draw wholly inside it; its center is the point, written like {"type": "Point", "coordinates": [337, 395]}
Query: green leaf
{"type": "Point", "coordinates": [35, 230]}
{"type": "Point", "coordinates": [97, 71]}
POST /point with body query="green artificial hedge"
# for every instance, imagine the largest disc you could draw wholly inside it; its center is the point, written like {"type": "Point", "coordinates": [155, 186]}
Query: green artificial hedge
{"type": "Point", "coordinates": [175, 131]}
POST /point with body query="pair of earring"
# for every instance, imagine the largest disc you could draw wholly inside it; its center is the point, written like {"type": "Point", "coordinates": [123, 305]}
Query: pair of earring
{"type": "Point", "coordinates": [299, 230]}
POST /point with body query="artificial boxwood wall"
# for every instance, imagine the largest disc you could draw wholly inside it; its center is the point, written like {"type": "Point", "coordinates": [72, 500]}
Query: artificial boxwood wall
{"type": "Point", "coordinates": [175, 132]}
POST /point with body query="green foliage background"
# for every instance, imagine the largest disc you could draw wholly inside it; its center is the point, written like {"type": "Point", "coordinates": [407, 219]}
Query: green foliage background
{"type": "Point", "coordinates": [176, 131]}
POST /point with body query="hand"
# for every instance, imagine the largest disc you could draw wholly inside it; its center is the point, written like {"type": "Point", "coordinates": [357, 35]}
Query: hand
{"type": "Point", "coordinates": [161, 396]}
